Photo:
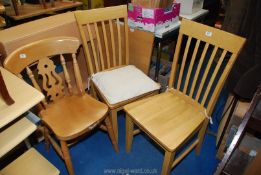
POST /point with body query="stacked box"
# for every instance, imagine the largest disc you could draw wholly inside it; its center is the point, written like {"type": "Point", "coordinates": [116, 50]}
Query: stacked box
{"type": "Point", "coordinates": [190, 6]}
{"type": "Point", "coordinates": [152, 19]}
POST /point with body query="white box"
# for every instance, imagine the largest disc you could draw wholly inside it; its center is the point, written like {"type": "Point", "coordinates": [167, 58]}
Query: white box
{"type": "Point", "coordinates": [190, 6]}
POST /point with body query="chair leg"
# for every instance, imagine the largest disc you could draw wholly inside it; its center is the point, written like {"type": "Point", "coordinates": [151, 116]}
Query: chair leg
{"type": "Point", "coordinates": [129, 133]}
{"type": "Point", "coordinates": [111, 134]}
{"type": "Point", "coordinates": [114, 121]}
{"type": "Point", "coordinates": [167, 163]}
{"type": "Point", "coordinates": [46, 138]}
{"type": "Point", "coordinates": [201, 135]}
{"type": "Point", "coordinates": [67, 157]}
{"type": "Point", "coordinates": [92, 90]}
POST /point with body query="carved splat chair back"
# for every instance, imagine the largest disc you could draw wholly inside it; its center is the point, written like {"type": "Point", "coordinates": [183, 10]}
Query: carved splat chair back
{"type": "Point", "coordinates": [104, 34]}
{"type": "Point", "coordinates": [41, 59]}
{"type": "Point", "coordinates": [203, 58]}
{"type": "Point", "coordinates": [70, 117]}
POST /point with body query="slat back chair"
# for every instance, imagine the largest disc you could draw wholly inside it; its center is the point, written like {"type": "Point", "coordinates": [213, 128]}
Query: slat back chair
{"type": "Point", "coordinates": [202, 61]}
{"type": "Point", "coordinates": [199, 74]}
{"type": "Point", "coordinates": [67, 112]}
{"type": "Point", "coordinates": [105, 37]}
{"type": "Point", "coordinates": [104, 33]}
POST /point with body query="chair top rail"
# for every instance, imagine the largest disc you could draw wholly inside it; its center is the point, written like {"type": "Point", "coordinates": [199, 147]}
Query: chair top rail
{"type": "Point", "coordinates": [41, 49]}
{"type": "Point", "coordinates": [109, 13]}
{"type": "Point", "coordinates": [233, 43]}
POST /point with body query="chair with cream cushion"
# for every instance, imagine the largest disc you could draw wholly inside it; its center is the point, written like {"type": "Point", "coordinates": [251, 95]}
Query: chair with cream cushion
{"type": "Point", "coordinates": [198, 73]}
{"type": "Point", "coordinates": [104, 33]}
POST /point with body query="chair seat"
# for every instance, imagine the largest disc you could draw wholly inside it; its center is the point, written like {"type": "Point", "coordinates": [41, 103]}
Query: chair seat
{"type": "Point", "coordinates": [85, 111]}
{"type": "Point", "coordinates": [167, 118]}
{"type": "Point", "coordinates": [123, 83]}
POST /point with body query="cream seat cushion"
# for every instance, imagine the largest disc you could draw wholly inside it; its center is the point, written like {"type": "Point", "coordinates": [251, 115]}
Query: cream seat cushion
{"type": "Point", "coordinates": [124, 83]}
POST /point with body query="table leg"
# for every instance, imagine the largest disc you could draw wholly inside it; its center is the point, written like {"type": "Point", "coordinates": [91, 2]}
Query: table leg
{"type": "Point", "coordinates": [27, 143]}
{"type": "Point", "coordinates": [156, 77]}
{"type": "Point", "coordinates": [52, 3]}
{"type": "Point", "coordinates": [13, 3]}
{"type": "Point", "coordinates": [43, 3]}
{"type": "Point", "coordinates": [89, 4]}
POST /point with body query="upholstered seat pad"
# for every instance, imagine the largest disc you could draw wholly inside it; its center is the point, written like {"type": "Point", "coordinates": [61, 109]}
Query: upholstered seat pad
{"type": "Point", "coordinates": [166, 117]}
{"type": "Point", "coordinates": [123, 83]}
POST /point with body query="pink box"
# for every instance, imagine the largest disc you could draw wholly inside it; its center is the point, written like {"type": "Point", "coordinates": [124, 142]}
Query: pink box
{"type": "Point", "coordinates": [152, 19]}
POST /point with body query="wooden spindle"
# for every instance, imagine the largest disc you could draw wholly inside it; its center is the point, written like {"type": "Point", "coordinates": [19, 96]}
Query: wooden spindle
{"type": "Point", "coordinates": [210, 83]}
{"type": "Point", "coordinates": [35, 84]}
{"type": "Point", "coordinates": [66, 75]}
{"type": "Point", "coordinates": [181, 72]}
{"type": "Point", "coordinates": [86, 50]}
{"type": "Point", "coordinates": [220, 84]}
{"type": "Point", "coordinates": [106, 45]}
{"type": "Point", "coordinates": [77, 74]}
{"type": "Point", "coordinates": [93, 48]}
{"type": "Point", "coordinates": [126, 30]}
{"type": "Point", "coordinates": [119, 40]}
{"type": "Point", "coordinates": [99, 46]}
{"type": "Point", "coordinates": [203, 79]}
{"type": "Point", "coordinates": [203, 55]}
{"type": "Point", "coordinates": [175, 63]}
{"type": "Point", "coordinates": [191, 66]}
{"type": "Point", "coordinates": [112, 43]}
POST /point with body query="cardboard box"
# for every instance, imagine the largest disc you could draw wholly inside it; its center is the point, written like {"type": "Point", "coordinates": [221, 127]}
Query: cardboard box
{"type": "Point", "coordinates": [152, 19]}
{"type": "Point", "coordinates": [152, 3]}
{"type": "Point", "coordinates": [190, 6]}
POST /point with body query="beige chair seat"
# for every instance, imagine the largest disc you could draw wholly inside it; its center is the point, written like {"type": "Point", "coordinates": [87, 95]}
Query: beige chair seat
{"type": "Point", "coordinates": [59, 116]}
{"type": "Point", "coordinates": [168, 118]}
{"type": "Point", "coordinates": [30, 163]}
{"type": "Point", "coordinates": [123, 83]}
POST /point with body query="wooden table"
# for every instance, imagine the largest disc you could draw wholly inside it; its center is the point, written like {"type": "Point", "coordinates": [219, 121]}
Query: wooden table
{"type": "Point", "coordinates": [25, 97]}
{"type": "Point", "coordinates": [33, 10]}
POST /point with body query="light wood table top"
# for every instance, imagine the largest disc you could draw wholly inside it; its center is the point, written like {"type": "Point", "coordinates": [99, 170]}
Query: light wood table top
{"type": "Point", "coordinates": [24, 95]}
{"type": "Point", "coordinates": [33, 10]}
{"type": "Point", "coordinates": [15, 134]}
{"type": "Point", "coordinates": [30, 163]}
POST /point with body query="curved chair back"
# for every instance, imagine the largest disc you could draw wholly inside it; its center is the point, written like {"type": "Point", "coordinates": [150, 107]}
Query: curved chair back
{"type": "Point", "coordinates": [42, 61]}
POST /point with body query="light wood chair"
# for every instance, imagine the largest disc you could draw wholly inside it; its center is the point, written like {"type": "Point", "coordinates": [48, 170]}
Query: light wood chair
{"type": "Point", "coordinates": [198, 74]}
{"type": "Point", "coordinates": [105, 39]}
{"type": "Point", "coordinates": [68, 113]}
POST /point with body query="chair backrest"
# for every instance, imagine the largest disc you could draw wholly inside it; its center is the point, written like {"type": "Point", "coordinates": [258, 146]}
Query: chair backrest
{"type": "Point", "coordinates": [202, 61]}
{"type": "Point", "coordinates": [104, 35]}
{"type": "Point", "coordinates": [40, 63]}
